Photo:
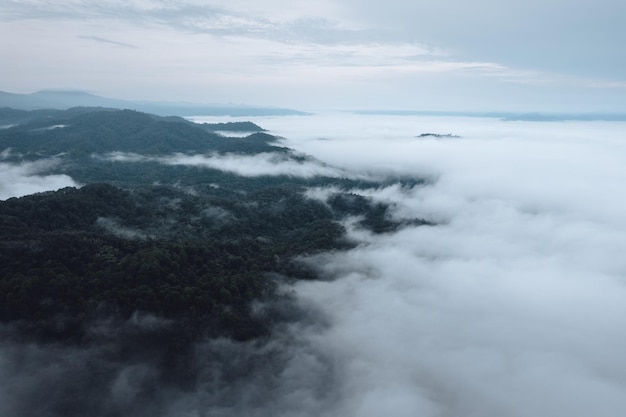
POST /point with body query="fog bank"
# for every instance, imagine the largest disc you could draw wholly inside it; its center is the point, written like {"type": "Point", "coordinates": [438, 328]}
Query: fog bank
{"type": "Point", "coordinates": [25, 178]}
{"type": "Point", "coordinates": [270, 164]}
{"type": "Point", "coordinates": [512, 304]}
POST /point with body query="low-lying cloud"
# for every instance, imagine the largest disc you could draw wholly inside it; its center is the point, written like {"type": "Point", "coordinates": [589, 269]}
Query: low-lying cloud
{"type": "Point", "coordinates": [114, 227]}
{"type": "Point", "coordinates": [19, 179]}
{"type": "Point", "coordinates": [270, 164]}
{"type": "Point", "coordinates": [511, 304]}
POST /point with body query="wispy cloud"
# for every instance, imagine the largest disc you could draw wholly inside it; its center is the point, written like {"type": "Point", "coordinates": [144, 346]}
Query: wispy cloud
{"type": "Point", "coordinates": [417, 54]}
{"type": "Point", "coordinates": [114, 227]}
{"type": "Point", "coordinates": [196, 17]}
{"type": "Point", "coordinates": [108, 41]}
{"type": "Point", "coordinates": [351, 55]}
{"type": "Point", "coordinates": [270, 164]}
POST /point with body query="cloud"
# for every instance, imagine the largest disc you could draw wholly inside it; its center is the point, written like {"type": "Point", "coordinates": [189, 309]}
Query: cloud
{"type": "Point", "coordinates": [352, 55]}
{"type": "Point", "coordinates": [225, 19]}
{"type": "Point", "coordinates": [147, 366]}
{"type": "Point", "coordinates": [17, 180]}
{"type": "Point", "coordinates": [323, 55]}
{"type": "Point", "coordinates": [552, 36]}
{"type": "Point", "coordinates": [270, 164]}
{"type": "Point", "coordinates": [511, 303]}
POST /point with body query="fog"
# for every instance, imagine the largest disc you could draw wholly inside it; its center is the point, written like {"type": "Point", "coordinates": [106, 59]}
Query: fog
{"type": "Point", "coordinates": [270, 164]}
{"type": "Point", "coordinates": [25, 178]}
{"type": "Point", "coordinates": [511, 303]}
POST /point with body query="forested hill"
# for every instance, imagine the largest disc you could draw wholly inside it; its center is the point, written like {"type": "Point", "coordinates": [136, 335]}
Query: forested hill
{"type": "Point", "coordinates": [148, 260]}
{"type": "Point", "coordinates": [233, 127]}
{"type": "Point", "coordinates": [83, 131]}
{"type": "Point", "coordinates": [68, 256]}
{"type": "Point", "coordinates": [127, 244]}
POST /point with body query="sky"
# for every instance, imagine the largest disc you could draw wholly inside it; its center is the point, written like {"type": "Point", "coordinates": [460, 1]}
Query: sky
{"type": "Point", "coordinates": [552, 55]}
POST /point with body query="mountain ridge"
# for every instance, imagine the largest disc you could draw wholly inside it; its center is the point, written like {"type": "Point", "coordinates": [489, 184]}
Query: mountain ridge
{"type": "Point", "coordinates": [65, 99]}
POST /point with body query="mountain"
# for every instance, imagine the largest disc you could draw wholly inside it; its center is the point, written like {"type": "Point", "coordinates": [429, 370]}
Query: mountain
{"type": "Point", "coordinates": [50, 133]}
{"type": "Point", "coordinates": [61, 100]}
{"type": "Point", "coordinates": [193, 245]}
{"type": "Point", "coordinates": [152, 280]}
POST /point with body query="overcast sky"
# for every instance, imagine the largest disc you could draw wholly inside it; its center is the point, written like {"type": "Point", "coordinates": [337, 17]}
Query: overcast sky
{"type": "Point", "coordinates": [328, 54]}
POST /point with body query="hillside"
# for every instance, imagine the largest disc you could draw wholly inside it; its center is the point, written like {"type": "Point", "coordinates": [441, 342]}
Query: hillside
{"type": "Point", "coordinates": [150, 259]}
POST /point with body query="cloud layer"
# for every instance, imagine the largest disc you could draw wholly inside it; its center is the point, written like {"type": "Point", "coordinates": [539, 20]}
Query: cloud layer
{"type": "Point", "coordinates": [270, 164]}
{"type": "Point", "coordinates": [17, 180]}
{"type": "Point", "coordinates": [511, 304]}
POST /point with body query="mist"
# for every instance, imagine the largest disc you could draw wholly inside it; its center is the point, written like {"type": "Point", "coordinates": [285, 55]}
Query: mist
{"type": "Point", "coordinates": [270, 164]}
{"type": "Point", "coordinates": [25, 178]}
{"type": "Point", "coordinates": [512, 303]}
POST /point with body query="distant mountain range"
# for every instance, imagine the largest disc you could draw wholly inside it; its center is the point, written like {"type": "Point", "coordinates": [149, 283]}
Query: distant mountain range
{"type": "Point", "coordinates": [62, 100]}
{"type": "Point", "coordinates": [66, 99]}
{"type": "Point", "coordinates": [506, 116]}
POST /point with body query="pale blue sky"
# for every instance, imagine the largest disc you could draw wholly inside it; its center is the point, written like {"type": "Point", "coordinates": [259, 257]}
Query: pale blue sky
{"type": "Point", "coordinates": [446, 55]}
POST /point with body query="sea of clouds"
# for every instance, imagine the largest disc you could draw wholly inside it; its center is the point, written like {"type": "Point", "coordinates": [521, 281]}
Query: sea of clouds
{"type": "Point", "coordinates": [512, 304]}
{"type": "Point", "coordinates": [261, 164]}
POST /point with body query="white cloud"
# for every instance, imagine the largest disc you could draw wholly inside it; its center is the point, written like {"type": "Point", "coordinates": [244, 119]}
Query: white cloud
{"type": "Point", "coordinates": [114, 227]}
{"type": "Point", "coordinates": [17, 180]}
{"type": "Point", "coordinates": [323, 54]}
{"type": "Point", "coordinates": [271, 164]}
{"type": "Point", "coordinates": [512, 304]}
